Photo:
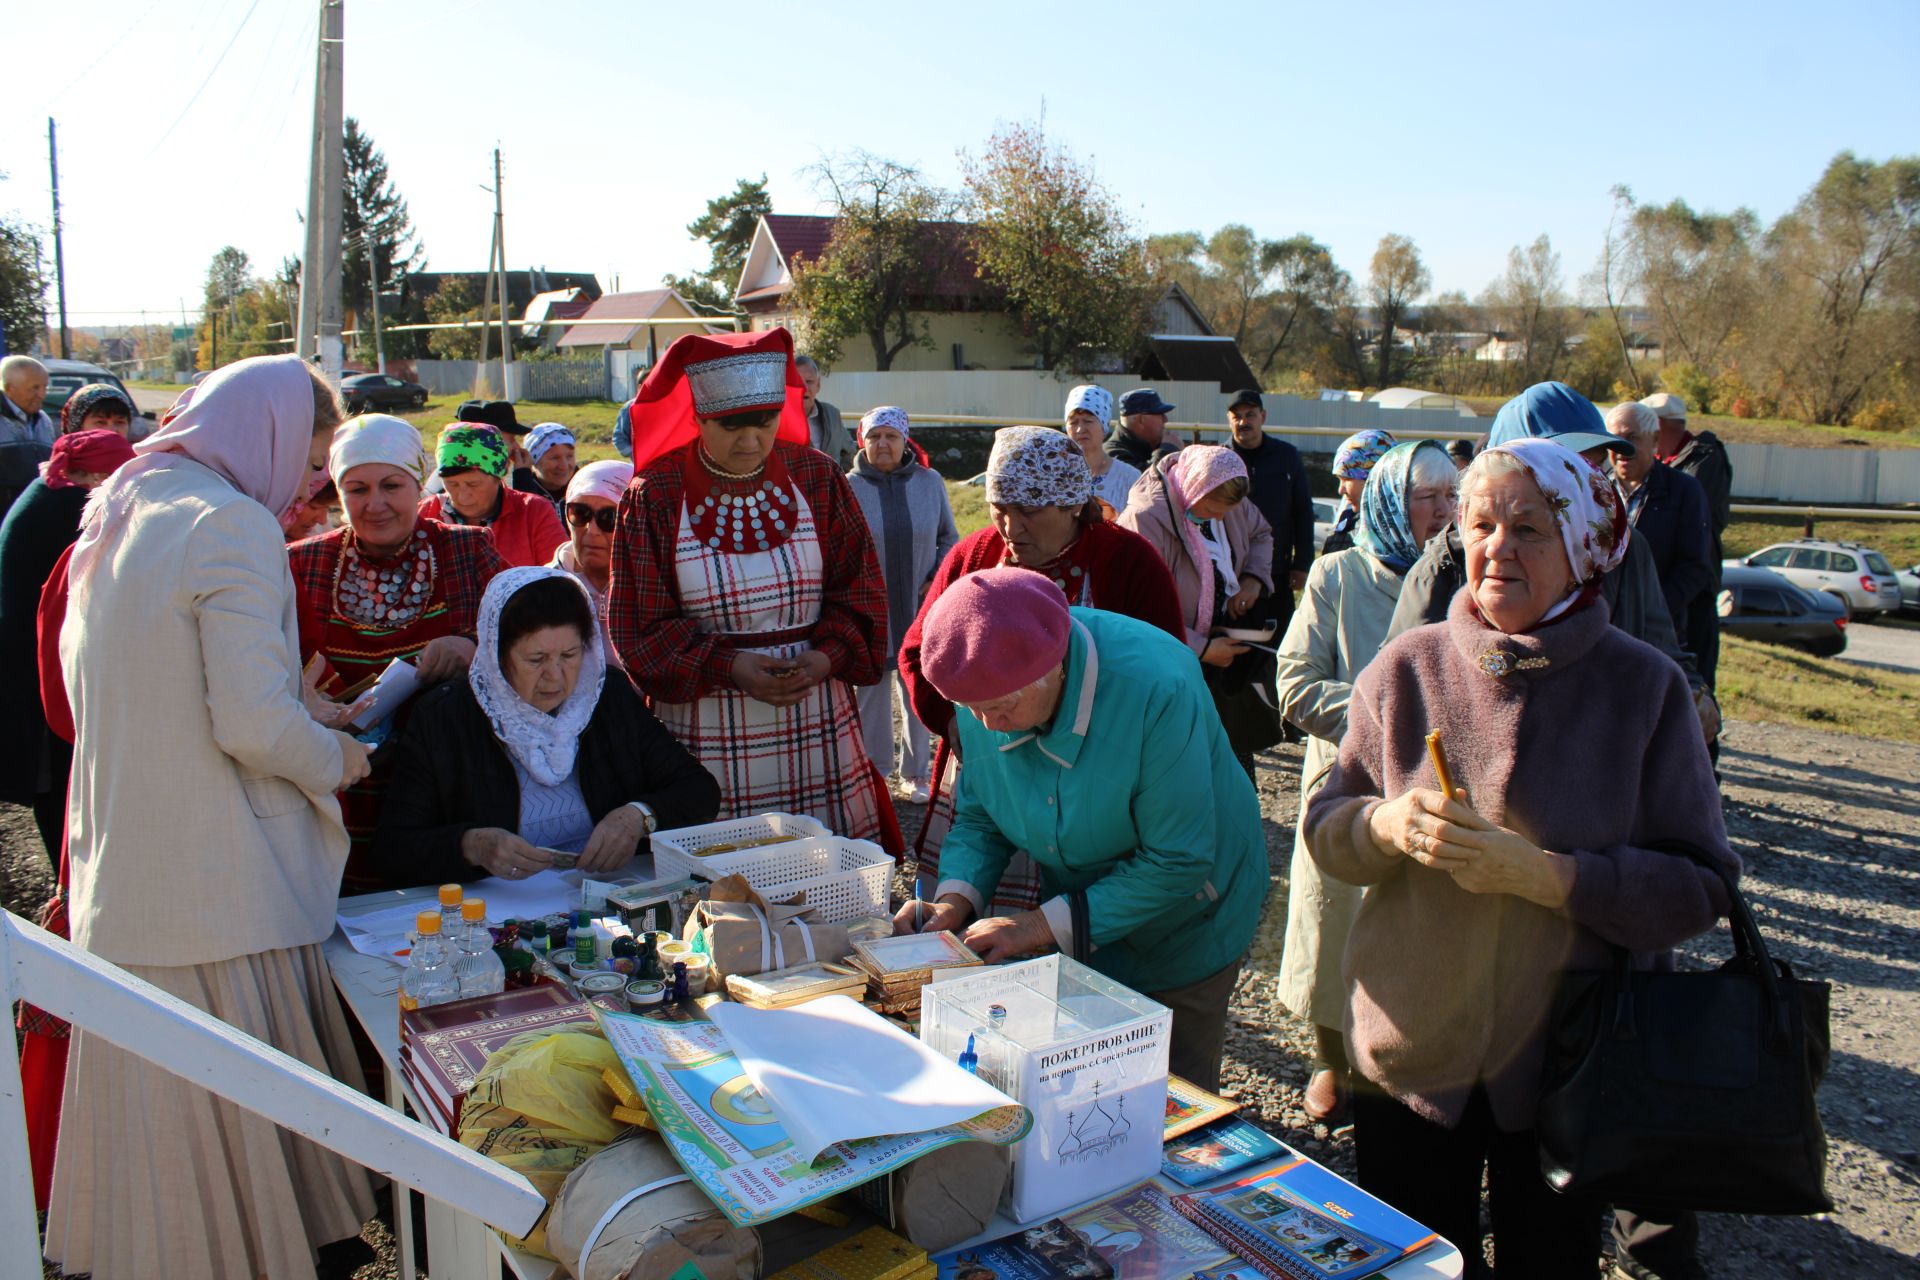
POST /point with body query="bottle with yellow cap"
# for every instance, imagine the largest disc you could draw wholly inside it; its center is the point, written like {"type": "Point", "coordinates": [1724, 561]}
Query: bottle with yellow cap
{"type": "Point", "coordinates": [481, 972]}
{"type": "Point", "coordinates": [451, 896]}
{"type": "Point", "coordinates": [430, 978]}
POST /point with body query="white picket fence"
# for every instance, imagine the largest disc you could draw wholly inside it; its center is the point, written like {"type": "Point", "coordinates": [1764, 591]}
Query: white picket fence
{"type": "Point", "coordinates": [108, 1002]}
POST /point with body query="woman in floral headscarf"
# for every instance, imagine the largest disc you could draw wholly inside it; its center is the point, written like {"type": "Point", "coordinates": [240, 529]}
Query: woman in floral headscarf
{"type": "Point", "coordinates": [1339, 627]}
{"type": "Point", "coordinates": [390, 584]}
{"type": "Point", "coordinates": [1352, 462]}
{"type": "Point", "coordinates": [1537, 864]}
{"type": "Point", "coordinates": [1040, 496]}
{"type": "Point", "coordinates": [475, 463]}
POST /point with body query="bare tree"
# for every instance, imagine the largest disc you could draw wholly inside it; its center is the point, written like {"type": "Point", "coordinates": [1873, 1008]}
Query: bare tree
{"type": "Point", "coordinates": [1532, 307]}
{"type": "Point", "coordinates": [1395, 281]}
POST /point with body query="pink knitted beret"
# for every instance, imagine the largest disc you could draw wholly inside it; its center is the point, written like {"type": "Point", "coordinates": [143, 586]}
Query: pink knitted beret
{"type": "Point", "coordinates": [993, 633]}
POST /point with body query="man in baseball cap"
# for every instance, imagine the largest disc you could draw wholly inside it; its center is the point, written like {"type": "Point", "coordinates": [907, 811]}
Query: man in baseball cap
{"type": "Point", "coordinates": [1702, 456]}
{"type": "Point", "coordinates": [1140, 439]}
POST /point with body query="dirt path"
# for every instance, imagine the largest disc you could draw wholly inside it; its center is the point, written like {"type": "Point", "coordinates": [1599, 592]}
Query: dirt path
{"type": "Point", "coordinates": [1826, 826]}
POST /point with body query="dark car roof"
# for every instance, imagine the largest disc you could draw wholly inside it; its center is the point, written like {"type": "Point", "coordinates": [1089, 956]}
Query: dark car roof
{"type": "Point", "coordinates": [1752, 576]}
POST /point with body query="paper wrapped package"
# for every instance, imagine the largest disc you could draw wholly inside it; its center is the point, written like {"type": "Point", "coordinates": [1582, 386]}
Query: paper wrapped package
{"type": "Point", "coordinates": [950, 1195]}
{"type": "Point", "coordinates": [541, 1108]}
{"type": "Point", "coordinates": [747, 934]}
{"type": "Point", "coordinates": [650, 1236]}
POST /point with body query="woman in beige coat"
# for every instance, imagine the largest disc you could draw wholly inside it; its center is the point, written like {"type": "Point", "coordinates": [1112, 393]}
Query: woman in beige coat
{"type": "Point", "coordinates": [1340, 625]}
{"type": "Point", "coordinates": [205, 842]}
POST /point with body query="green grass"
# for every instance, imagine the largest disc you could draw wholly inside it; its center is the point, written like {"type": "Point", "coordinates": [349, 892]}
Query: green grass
{"type": "Point", "coordinates": [1898, 540]}
{"type": "Point", "coordinates": [158, 386]}
{"type": "Point", "coordinates": [969, 506]}
{"type": "Point", "coordinates": [590, 420]}
{"type": "Point", "coordinates": [1784, 686]}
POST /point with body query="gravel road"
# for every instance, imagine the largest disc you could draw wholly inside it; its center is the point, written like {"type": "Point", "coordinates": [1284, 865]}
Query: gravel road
{"type": "Point", "coordinates": [1824, 823]}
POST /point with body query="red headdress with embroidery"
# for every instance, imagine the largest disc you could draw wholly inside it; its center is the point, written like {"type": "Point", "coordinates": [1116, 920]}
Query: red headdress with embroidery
{"type": "Point", "coordinates": [706, 375]}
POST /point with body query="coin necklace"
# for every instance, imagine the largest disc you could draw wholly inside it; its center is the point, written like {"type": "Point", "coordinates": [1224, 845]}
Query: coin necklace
{"type": "Point", "coordinates": [389, 594]}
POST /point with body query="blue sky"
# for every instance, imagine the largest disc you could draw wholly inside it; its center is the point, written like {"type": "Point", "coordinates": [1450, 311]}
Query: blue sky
{"type": "Point", "coordinates": [1470, 127]}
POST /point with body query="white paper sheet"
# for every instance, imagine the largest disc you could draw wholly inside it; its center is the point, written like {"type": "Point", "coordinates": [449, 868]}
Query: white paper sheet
{"type": "Point", "coordinates": [833, 1071]}
{"type": "Point", "coordinates": [396, 684]}
{"type": "Point", "coordinates": [386, 933]}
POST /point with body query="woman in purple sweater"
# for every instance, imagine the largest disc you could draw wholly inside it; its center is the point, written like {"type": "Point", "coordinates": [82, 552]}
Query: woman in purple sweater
{"type": "Point", "coordinates": [1574, 749]}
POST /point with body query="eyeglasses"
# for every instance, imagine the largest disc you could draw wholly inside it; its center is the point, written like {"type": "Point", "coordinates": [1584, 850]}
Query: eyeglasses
{"type": "Point", "coordinates": [581, 513]}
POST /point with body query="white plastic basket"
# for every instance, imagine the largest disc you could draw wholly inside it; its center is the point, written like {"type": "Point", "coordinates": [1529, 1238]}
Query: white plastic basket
{"type": "Point", "coordinates": [843, 879]}
{"type": "Point", "coordinates": [674, 850]}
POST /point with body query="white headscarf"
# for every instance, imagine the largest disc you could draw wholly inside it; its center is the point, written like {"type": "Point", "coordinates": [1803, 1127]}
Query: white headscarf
{"type": "Point", "coordinates": [251, 423]}
{"type": "Point", "coordinates": [606, 480]}
{"type": "Point", "coordinates": [545, 436]}
{"type": "Point", "coordinates": [542, 743]}
{"type": "Point", "coordinates": [377, 437]}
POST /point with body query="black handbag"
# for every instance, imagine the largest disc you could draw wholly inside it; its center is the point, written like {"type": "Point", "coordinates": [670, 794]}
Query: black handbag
{"type": "Point", "coordinates": [1689, 1090]}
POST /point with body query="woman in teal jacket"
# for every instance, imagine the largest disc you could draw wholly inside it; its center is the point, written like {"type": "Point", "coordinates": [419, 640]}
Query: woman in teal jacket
{"type": "Point", "coordinates": [1093, 744]}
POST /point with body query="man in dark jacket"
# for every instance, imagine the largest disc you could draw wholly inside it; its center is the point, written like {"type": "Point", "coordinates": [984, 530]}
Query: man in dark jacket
{"type": "Point", "coordinates": [1669, 514]}
{"type": "Point", "coordinates": [1141, 438]}
{"type": "Point", "coordinates": [1277, 484]}
{"type": "Point", "coordinates": [1703, 457]}
{"type": "Point", "coordinates": [825, 430]}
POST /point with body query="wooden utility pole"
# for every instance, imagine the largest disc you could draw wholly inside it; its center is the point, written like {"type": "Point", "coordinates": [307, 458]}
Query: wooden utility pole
{"type": "Point", "coordinates": [59, 251]}
{"type": "Point", "coordinates": [317, 333]}
{"type": "Point", "coordinates": [500, 250]}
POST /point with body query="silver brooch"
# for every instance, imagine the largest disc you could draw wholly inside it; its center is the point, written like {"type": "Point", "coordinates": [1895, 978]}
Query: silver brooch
{"type": "Point", "coordinates": [1499, 664]}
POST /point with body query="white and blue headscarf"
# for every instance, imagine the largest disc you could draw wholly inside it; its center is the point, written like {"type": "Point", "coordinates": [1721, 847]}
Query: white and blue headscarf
{"type": "Point", "coordinates": [545, 436]}
{"type": "Point", "coordinates": [1097, 401]}
{"type": "Point", "coordinates": [1385, 531]}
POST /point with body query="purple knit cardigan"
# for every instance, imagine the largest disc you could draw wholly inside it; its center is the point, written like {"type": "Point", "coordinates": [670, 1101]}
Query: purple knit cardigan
{"type": "Point", "coordinates": [1588, 745]}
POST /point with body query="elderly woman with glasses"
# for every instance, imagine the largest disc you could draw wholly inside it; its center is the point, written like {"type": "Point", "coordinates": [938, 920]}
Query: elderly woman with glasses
{"type": "Point", "coordinates": [1559, 847]}
{"type": "Point", "coordinates": [1091, 743]}
{"type": "Point", "coordinates": [1045, 520]}
{"type": "Point", "coordinates": [390, 584]}
{"type": "Point", "coordinates": [591, 508]}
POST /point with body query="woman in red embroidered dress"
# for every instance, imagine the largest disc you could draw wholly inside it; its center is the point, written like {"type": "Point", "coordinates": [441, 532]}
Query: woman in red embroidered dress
{"type": "Point", "coordinates": [1045, 518]}
{"type": "Point", "coordinates": [389, 584]}
{"type": "Point", "coordinates": [745, 597]}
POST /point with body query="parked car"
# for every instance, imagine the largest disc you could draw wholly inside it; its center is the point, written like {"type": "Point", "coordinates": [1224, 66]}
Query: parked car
{"type": "Point", "coordinates": [64, 377]}
{"type": "Point", "coordinates": [1759, 604]}
{"type": "Point", "coordinates": [1909, 580]}
{"type": "Point", "coordinates": [363, 391]}
{"type": "Point", "coordinates": [1848, 571]}
{"type": "Point", "coordinates": [1324, 510]}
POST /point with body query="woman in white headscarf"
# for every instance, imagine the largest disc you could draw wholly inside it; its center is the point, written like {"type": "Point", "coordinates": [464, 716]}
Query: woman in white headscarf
{"type": "Point", "coordinates": [205, 842]}
{"type": "Point", "coordinates": [1089, 410]}
{"type": "Point", "coordinates": [592, 505]}
{"type": "Point", "coordinates": [538, 750]}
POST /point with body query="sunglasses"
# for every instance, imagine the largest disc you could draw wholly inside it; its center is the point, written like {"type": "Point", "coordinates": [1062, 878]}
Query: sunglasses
{"type": "Point", "coordinates": [581, 513]}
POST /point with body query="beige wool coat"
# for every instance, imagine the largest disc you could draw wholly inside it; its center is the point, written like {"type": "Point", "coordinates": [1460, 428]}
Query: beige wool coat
{"type": "Point", "coordinates": [1337, 628]}
{"type": "Point", "coordinates": [202, 815]}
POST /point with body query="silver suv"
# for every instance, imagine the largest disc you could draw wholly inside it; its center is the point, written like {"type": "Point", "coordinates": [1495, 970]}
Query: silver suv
{"type": "Point", "coordinates": [1857, 575]}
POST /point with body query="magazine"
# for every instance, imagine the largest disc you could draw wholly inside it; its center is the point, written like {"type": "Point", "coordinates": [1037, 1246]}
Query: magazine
{"type": "Point", "coordinates": [1189, 1106]}
{"type": "Point", "coordinates": [1223, 1147]}
{"type": "Point", "coordinates": [1300, 1222]}
{"type": "Point", "coordinates": [727, 1135]}
{"type": "Point", "coordinates": [1135, 1235]}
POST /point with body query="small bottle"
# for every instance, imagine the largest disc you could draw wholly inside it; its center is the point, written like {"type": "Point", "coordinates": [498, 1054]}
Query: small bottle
{"type": "Point", "coordinates": [481, 971]}
{"type": "Point", "coordinates": [538, 938]}
{"type": "Point", "coordinates": [995, 1061]}
{"type": "Point", "coordinates": [583, 951]}
{"type": "Point", "coordinates": [429, 978]}
{"type": "Point", "coordinates": [682, 997]}
{"type": "Point", "coordinates": [451, 896]}
{"type": "Point", "coordinates": [649, 959]}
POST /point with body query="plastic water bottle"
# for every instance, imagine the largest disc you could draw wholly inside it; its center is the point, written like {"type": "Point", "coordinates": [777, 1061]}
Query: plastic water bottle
{"type": "Point", "coordinates": [481, 971]}
{"type": "Point", "coordinates": [430, 978]}
{"type": "Point", "coordinates": [451, 896]}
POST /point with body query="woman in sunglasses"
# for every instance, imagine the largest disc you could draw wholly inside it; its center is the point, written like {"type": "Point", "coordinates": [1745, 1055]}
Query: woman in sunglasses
{"type": "Point", "coordinates": [390, 583]}
{"type": "Point", "coordinates": [591, 506]}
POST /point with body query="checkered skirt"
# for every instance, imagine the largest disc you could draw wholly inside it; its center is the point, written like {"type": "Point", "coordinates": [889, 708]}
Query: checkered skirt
{"type": "Point", "coordinates": [808, 758]}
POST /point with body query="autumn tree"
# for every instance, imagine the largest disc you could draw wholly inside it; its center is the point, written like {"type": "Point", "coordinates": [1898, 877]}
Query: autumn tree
{"type": "Point", "coordinates": [1843, 285]}
{"type": "Point", "coordinates": [1529, 304]}
{"type": "Point", "coordinates": [452, 302]}
{"type": "Point", "coordinates": [727, 226]}
{"type": "Point", "coordinates": [1395, 280]}
{"type": "Point", "coordinates": [1054, 241]}
{"type": "Point", "coordinates": [1697, 273]}
{"type": "Point", "coordinates": [893, 238]}
{"type": "Point", "coordinates": [23, 287]}
{"type": "Point", "coordinates": [374, 221]}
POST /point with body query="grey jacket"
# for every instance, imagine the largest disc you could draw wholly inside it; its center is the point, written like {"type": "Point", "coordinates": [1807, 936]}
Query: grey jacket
{"type": "Point", "coordinates": [1632, 591]}
{"type": "Point", "coordinates": [913, 529]}
{"type": "Point", "coordinates": [829, 435]}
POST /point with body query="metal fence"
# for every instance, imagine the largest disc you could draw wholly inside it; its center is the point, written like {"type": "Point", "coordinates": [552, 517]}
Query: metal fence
{"type": "Point", "coordinates": [533, 379]}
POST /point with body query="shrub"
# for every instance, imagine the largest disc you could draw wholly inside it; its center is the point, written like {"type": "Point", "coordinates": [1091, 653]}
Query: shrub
{"type": "Point", "coordinates": [1881, 415]}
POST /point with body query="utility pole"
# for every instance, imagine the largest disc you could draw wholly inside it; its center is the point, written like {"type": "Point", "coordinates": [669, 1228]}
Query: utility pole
{"type": "Point", "coordinates": [373, 290]}
{"type": "Point", "coordinates": [500, 250]}
{"type": "Point", "coordinates": [59, 252]}
{"type": "Point", "coordinates": [318, 330]}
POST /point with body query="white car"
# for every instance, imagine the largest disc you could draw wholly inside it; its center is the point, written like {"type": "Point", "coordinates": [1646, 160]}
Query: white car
{"type": "Point", "coordinates": [1909, 579]}
{"type": "Point", "coordinates": [1855, 574]}
{"type": "Point", "coordinates": [1324, 510]}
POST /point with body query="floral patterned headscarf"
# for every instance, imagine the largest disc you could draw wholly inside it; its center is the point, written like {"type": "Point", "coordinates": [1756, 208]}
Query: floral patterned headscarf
{"type": "Point", "coordinates": [1359, 453]}
{"type": "Point", "coordinates": [1037, 467]}
{"type": "Point", "coordinates": [1587, 509]}
{"type": "Point", "coordinates": [467, 444]}
{"type": "Point", "coordinates": [1385, 530]}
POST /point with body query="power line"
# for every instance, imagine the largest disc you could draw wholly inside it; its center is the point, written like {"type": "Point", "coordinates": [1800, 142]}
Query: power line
{"type": "Point", "coordinates": [209, 76]}
{"type": "Point", "coordinates": [106, 52]}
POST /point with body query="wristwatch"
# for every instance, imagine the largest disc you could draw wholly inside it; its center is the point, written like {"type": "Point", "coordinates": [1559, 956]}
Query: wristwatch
{"type": "Point", "coordinates": [648, 822]}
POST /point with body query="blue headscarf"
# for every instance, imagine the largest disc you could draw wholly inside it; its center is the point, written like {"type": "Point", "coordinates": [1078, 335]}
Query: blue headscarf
{"type": "Point", "coordinates": [1551, 411]}
{"type": "Point", "coordinates": [1385, 531]}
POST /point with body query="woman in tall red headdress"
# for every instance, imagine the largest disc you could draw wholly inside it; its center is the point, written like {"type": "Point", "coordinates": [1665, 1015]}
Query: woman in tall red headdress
{"type": "Point", "coordinates": [746, 598]}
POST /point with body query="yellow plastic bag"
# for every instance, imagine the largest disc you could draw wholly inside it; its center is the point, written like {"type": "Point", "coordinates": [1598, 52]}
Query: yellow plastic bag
{"type": "Point", "coordinates": [540, 1107]}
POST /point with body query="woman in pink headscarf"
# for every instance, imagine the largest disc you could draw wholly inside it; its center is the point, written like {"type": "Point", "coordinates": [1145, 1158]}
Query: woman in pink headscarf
{"type": "Point", "coordinates": [592, 502]}
{"type": "Point", "coordinates": [204, 843]}
{"type": "Point", "coordinates": [1192, 507]}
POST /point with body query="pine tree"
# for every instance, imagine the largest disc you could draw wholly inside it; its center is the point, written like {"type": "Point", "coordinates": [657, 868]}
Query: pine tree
{"type": "Point", "coordinates": [374, 219]}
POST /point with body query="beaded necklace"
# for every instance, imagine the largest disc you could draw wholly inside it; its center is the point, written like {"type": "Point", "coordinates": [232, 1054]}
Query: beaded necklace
{"type": "Point", "coordinates": [739, 512]}
{"type": "Point", "coordinates": [388, 594]}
